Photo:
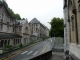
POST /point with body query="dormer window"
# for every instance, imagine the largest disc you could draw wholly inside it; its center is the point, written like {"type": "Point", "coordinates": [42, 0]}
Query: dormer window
{"type": "Point", "coordinates": [19, 23]}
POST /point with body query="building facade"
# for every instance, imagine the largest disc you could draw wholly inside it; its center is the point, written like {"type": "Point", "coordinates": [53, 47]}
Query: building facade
{"type": "Point", "coordinates": [66, 27]}
{"type": "Point", "coordinates": [25, 31]}
{"type": "Point", "coordinates": [8, 33]}
{"type": "Point", "coordinates": [74, 27]}
{"type": "Point", "coordinates": [38, 30]}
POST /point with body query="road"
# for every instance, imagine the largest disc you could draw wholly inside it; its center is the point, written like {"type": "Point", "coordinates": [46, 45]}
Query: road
{"type": "Point", "coordinates": [34, 51]}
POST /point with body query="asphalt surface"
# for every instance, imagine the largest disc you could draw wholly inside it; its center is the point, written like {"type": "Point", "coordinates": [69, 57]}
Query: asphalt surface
{"type": "Point", "coordinates": [32, 51]}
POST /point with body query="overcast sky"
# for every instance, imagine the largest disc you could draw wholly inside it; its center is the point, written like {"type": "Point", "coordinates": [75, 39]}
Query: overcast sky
{"type": "Point", "coordinates": [43, 10]}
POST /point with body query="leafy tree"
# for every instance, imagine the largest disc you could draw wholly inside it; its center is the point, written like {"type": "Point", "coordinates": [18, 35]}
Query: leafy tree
{"type": "Point", "coordinates": [23, 19]}
{"type": "Point", "coordinates": [17, 16]}
{"type": "Point", "coordinates": [56, 27]}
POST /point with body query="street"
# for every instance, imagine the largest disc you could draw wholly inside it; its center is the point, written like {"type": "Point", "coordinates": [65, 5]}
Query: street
{"type": "Point", "coordinates": [31, 52]}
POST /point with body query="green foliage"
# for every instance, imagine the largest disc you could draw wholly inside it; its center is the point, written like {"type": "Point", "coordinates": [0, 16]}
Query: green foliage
{"type": "Point", "coordinates": [8, 46]}
{"type": "Point", "coordinates": [56, 27]}
{"type": "Point", "coordinates": [23, 19]}
{"type": "Point", "coordinates": [17, 16]}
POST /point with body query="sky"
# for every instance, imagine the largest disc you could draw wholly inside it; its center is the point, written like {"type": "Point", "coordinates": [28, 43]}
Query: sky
{"type": "Point", "coordinates": [43, 10]}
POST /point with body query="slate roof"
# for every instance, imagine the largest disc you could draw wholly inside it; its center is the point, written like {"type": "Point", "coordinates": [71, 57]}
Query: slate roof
{"type": "Point", "coordinates": [34, 20]}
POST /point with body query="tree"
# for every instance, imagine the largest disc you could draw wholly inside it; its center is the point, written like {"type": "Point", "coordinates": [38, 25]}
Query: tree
{"type": "Point", "coordinates": [17, 16]}
{"type": "Point", "coordinates": [23, 19]}
{"type": "Point", "coordinates": [56, 27]}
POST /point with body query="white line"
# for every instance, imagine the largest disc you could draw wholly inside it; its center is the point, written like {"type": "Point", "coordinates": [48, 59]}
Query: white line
{"type": "Point", "coordinates": [24, 52]}
{"type": "Point", "coordinates": [35, 53]}
{"type": "Point", "coordinates": [29, 52]}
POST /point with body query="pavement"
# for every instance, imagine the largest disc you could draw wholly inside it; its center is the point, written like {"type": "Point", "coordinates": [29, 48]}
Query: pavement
{"type": "Point", "coordinates": [57, 49]}
{"type": "Point", "coordinates": [57, 56]}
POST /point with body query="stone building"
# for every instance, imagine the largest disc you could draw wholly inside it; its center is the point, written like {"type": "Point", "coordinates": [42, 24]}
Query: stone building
{"type": "Point", "coordinates": [25, 31]}
{"type": "Point", "coordinates": [73, 7]}
{"type": "Point", "coordinates": [38, 30]}
{"type": "Point", "coordinates": [8, 28]}
{"type": "Point", "coordinates": [66, 27]}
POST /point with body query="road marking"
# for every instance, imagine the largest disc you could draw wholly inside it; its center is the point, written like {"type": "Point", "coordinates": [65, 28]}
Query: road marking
{"type": "Point", "coordinates": [10, 56]}
{"type": "Point", "coordinates": [45, 48]}
{"type": "Point", "coordinates": [35, 53]}
{"type": "Point", "coordinates": [24, 52]}
{"type": "Point", "coordinates": [29, 52]}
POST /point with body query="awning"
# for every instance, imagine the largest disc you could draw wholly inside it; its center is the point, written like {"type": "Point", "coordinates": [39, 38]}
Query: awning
{"type": "Point", "coordinates": [9, 36]}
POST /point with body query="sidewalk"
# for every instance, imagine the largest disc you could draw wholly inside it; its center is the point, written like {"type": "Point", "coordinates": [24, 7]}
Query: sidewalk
{"type": "Point", "coordinates": [57, 50]}
{"type": "Point", "coordinates": [57, 56]}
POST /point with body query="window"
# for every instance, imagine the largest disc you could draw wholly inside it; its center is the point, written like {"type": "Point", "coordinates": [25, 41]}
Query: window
{"type": "Point", "coordinates": [72, 18]}
{"type": "Point", "coordinates": [7, 28]}
{"type": "Point", "coordinates": [1, 17]}
{"type": "Point", "coordinates": [13, 29]}
{"type": "Point", "coordinates": [8, 19]}
{"type": "Point", "coordinates": [70, 5]}
{"type": "Point", "coordinates": [1, 26]}
{"type": "Point", "coordinates": [36, 29]}
{"type": "Point", "coordinates": [17, 29]}
{"type": "Point", "coordinates": [20, 28]}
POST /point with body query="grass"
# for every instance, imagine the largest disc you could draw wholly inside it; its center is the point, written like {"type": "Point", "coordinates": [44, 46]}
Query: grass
{"type": "Point", "coordinates": [18, 46]}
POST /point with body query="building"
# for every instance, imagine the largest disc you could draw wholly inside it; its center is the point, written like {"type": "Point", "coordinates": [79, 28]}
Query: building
{"type": "Point", "coordinates": [38, 30]}
{"type": "Point", "coordinates": [47, 32]}
{"type": "Point", "coordinates": [66, 27]}
{"type": "Point", "coordinates": [25, 31]}
{"type": "Point", "coordinates": [73, 7]}
{"type": "Point", "coordinates": [8, 28]}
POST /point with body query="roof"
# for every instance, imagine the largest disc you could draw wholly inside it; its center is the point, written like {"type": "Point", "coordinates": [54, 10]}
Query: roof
{"type": "Point", "coordinates": [34, 20]}
{"type": "Point", "coordinates": [8, 36]}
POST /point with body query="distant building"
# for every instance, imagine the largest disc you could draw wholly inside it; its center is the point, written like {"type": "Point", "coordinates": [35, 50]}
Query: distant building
{"type": "Point", "coordinates": [8, 28]}
{"type": "Point", "coordinates": [72, 7]}
{"type": "Point", "coordinates": [38, 30]}
{"type": "Point", "coordinates": [25, 31]}
{"type": "Point", "coordinates": [47, 32]}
